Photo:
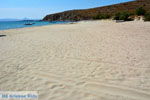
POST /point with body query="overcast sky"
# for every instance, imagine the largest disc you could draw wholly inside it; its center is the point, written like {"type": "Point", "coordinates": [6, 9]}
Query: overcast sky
{"type": "Point", "coordinates": [37, 9]}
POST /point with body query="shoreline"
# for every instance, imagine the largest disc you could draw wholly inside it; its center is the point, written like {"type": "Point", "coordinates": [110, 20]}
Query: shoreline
{"type": "Point", "coordinates": [33, 26]}
{"type": "Point", "coordinates": [83, 21]}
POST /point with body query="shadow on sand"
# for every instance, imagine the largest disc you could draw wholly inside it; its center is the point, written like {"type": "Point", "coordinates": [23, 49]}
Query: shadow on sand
{"type": "Point", "coordinates": [2, 35]}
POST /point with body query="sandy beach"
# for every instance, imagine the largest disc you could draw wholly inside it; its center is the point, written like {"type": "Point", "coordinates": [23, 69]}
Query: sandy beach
{"type": "Point", "coordinates": [89, 60]}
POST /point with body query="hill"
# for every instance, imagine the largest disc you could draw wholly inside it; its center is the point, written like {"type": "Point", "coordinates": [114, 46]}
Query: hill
{"type": "Point", "coordinates": [87, 14]}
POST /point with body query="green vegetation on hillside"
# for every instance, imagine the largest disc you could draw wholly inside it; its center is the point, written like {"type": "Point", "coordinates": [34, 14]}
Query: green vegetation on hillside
{"type": "Point", "coordinates": [140, 11]}
{"type": "Point", "coordinates": [101, 16]}
{"type": "Point", "coordinates": [125, 16]}
{"type": "Point", "coordinates": [122, 16]}
{"type": "Point", "coordinates": [147, 17]}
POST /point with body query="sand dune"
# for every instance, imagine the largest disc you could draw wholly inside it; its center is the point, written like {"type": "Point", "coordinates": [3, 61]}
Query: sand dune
{"type": "Point", "coordinates": [93, 60]}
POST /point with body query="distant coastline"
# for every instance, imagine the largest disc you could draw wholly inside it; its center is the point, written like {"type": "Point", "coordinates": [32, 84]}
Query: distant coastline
{"type": "Point", "coordinates": [4, 20]}
{"type": "Point", "coordinates": [12, 19]}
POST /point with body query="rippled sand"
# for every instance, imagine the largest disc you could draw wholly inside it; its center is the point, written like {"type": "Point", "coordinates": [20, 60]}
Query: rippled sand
{"type": "Point", "coordinates": [93, 60]}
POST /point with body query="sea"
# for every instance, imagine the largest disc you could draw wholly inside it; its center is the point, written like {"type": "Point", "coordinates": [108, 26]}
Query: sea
{"type": "Point", "coordinates": [5, 25]}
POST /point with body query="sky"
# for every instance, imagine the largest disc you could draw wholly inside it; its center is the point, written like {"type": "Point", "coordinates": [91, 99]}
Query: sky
{"type": "Point", "coordinates": [37, 9]}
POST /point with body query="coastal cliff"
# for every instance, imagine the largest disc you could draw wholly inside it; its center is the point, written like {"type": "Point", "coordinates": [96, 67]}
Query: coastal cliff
{"type": "Point", "coordinates": [87, 14]}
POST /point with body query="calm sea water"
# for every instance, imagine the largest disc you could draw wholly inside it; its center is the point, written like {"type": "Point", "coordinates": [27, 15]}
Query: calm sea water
{"type": "Point", "coordinates": [20, 24]}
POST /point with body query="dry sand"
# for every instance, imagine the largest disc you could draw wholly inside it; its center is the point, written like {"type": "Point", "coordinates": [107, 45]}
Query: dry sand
{"type": "Point", "coordinates": [94, 60]}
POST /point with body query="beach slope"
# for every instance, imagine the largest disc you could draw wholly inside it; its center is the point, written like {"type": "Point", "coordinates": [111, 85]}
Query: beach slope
{"type": "Point", "coordinates": [92, 60]}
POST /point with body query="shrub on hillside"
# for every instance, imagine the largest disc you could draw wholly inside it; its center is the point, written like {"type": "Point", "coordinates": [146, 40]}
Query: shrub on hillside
{"type": "Point", "coordinates": [101, 16]}
{"type": "Point", "coordinates": [96, 17]}
{"type": "Point", "coordinates": [147, 17]}
{"type": "Point", "coordinates": [122, 16]}
{"type": "Point", "coordinates": [117, 16]}
{"type": "Point", "coordinates": [140, 11]}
